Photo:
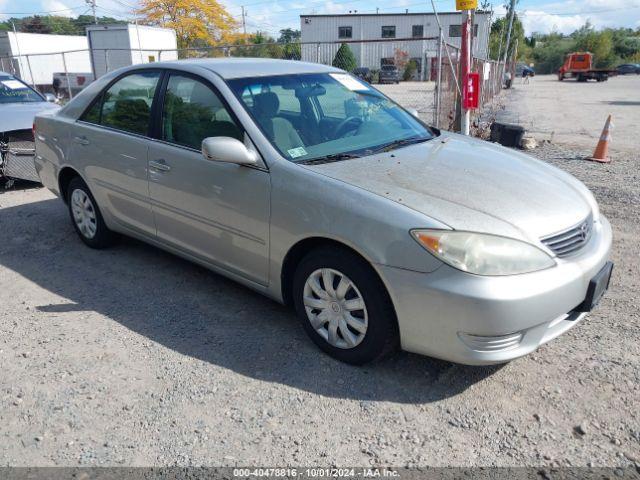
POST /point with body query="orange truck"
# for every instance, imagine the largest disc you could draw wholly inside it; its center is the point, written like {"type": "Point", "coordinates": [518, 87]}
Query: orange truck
{"type": "Point", "coordinates": [579, 65]}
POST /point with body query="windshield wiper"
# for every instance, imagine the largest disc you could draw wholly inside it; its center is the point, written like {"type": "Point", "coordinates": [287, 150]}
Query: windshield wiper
{"type": "Point", "coordinates": [334, 157]}
{"type": "Point", "coordinates": [387, 147]}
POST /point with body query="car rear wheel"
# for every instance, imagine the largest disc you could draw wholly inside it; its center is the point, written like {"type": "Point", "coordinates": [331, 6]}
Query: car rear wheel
{"type": "Point", "coordinates": [86, 217]}
{"type": "Point", "coordinates": [344, 306]}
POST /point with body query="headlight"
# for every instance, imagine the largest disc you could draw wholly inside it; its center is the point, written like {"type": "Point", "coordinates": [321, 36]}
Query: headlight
{"type": "Point", "coordinates": [483, 254]}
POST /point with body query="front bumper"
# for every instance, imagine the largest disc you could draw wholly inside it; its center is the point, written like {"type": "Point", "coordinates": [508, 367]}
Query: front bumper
{"type": "Point", "coordinates": [17, 153]}
{"type": "Point", "coordinates": [478, 320]}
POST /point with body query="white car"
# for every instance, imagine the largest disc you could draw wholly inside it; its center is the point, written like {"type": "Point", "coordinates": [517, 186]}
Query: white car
{"type": "Point", "coordinates": [19, 104]}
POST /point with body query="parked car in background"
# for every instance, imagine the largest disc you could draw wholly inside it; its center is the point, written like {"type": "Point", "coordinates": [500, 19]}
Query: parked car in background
{"type": "Point", "coordinates": [19, 103]}
{"type": "Point", "coordinates": [379, 230]}
{"type": "Point", "coordinates": [628, 68]}
{"type": "Point", "coordinates": [364, 73]}
{"type": "Point", "coordinates": [389, 74]}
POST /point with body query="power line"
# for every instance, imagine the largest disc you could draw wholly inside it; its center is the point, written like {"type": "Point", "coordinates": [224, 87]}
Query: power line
{"type": "Point", "coordinates": [44, 12]}
{"type": "Point", "coordinates": [318, 2]}
{"type": "Point", "coordinates": [92, 5]}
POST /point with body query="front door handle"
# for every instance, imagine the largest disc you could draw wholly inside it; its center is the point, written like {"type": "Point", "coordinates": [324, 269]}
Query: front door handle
{"type": "Point", "coordinates": [159, 165]}
{"type": "Point", "coordinates": [82, 140]}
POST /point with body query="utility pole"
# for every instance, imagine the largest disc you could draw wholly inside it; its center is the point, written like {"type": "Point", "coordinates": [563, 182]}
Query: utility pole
{"type": "Point", "coordinates": [15, 34]}
{"type": "Point", "coordinates": [92, 4]}
{"type": "Point", "coordinates": [512, 12]}
{"type": "Point", "coordinates": [465, 68]}
{"type": "Point", "coordinates": [244, 25]}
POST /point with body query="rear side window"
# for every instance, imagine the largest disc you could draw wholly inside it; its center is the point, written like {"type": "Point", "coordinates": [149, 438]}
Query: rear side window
{"type": "Point", "coordinates": [126, 105]}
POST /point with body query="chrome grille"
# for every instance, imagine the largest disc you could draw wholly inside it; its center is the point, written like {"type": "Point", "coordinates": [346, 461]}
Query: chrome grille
{"type": "Point", "coordinates": [570, 241]}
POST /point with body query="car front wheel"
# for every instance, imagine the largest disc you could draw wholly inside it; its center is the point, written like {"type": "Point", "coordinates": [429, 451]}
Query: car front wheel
{"type": "Point", "coordinates": [86, 217]}
{"type": "Point", "coordinates": [344, 306]}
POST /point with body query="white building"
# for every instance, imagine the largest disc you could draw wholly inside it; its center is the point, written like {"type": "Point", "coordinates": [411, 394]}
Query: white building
{"type": "Point", "coordinates": [116, 46]}
{"type": "Point", "coordinates": [376, 38]}
{"type": "Point", "coordinates": [35, 57]}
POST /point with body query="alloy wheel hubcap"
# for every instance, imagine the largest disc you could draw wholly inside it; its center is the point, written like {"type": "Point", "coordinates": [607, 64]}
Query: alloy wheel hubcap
{"type": "Point", "coordinates": [335, 307]}
{"type": "Point", "coordinates": [84, 214]}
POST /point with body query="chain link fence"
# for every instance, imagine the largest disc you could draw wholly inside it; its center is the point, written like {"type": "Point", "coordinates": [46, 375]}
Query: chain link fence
{"type": "Point", "coordinates": [418, 73]}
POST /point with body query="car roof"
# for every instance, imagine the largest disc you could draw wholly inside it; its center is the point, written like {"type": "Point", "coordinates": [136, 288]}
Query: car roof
{"type": "Point", "coordinates": [229, 68]}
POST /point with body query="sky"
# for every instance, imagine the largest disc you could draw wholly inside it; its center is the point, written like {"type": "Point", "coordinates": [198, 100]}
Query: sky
{"type": "Point", "coordinates": [270, 16]}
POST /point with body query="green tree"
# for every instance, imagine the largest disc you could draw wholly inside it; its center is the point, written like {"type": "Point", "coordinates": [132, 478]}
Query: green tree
{"type": "Point", "coordinates": [550, 51]}
{"type": "Point", "coordinates": [55, 24]}
{"type": "Point", "coordinates": [410, 70]}
{"type": "Point", "coordinates": [292, 51]}
{"type": "Point", "coordinates": [600, 44]}
{"type": "Point", "coordinates": [35, 25]}
{"type": "Point", "coordinates": [289, 35]}
{"type": "Point", "coordinates": [290, 39]}
{"type": "Point", "coordinates": [345, 59]}
{"type": "Point", "coordinates": [498, 38]}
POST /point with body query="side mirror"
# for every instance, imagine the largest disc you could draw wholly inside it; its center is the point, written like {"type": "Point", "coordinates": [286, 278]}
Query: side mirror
{"type": "Point", "coordinates": [229, 150]}
{"type": "Point", "coordinates": [50, 97]}
{"type": "Point", "coordinates": [413, 112]}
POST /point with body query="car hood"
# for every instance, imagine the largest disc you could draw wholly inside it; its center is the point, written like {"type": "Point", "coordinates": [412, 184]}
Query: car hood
{"type": "Point", "coordinates": [472, 185]}
{"type": "Point", "coordinates": [19, 116]}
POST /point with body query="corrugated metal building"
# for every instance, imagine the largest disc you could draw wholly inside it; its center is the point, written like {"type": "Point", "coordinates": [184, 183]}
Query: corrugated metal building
{"type": "Point", "coordinates": [376, 37]}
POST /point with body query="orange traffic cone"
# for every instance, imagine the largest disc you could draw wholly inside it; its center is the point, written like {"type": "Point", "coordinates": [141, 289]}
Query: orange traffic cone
{"type": "Point", "coordinates": [602, 149]}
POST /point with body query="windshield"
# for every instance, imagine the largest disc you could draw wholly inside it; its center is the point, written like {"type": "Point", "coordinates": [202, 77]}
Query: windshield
{"type": "Point", "coordinates": [13, 90]}
{"type": "Point", "coordinates": [316, 116]}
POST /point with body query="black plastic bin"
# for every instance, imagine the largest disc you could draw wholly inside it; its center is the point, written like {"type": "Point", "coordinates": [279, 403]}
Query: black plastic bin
{"type": "Point", "coordinates": [506, 134]}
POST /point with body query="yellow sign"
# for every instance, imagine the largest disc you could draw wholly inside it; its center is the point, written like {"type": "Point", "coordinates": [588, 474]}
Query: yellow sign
{"type": "Point", "coordinates": [466, 4]}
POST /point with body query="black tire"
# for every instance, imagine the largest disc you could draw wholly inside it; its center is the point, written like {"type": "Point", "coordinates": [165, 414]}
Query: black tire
{"type": "Point", "coordinates": [381, 336]}
{"type": "Point", "coordinates": [103, 237]}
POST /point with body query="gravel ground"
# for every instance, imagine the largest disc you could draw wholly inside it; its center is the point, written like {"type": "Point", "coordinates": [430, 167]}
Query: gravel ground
{"type": "Point", "coordinates": [131, 356]}
{"type": "Point", "coordinates": [573, 113]}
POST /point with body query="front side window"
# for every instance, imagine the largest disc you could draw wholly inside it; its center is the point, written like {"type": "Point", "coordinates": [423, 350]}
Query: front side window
{"type": "Point", "coordinates": [13, 90]}
{"type": "Point", "coordinates": [338, 116]}
{"type": "Point", "coordinates": [345, 32]}
{"type": "Point", "coordinates": [389, 32]}
{"type": "Point", "coordinates": [192, 111]}
{"type": "Point", "coordinates": [126, 105]}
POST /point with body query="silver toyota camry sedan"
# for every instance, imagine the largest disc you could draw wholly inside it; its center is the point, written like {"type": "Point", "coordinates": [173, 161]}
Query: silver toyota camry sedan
{"type": "Point", "coordinates": [313, 188]}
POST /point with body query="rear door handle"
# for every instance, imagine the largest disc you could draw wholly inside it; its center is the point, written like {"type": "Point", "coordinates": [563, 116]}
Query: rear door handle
{"type": "Point", "coordinates": [159, 165]}
{"type": "Point", "coordinates": [81, 140]}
